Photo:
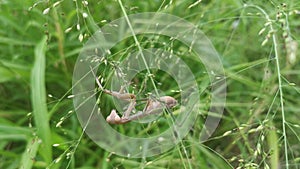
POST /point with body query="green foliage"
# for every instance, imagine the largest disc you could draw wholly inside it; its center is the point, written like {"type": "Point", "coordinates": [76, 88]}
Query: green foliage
{"type": "Point", "coordinates": [38, 98]}
{"type": "Point", "coordinates": [40, 42]}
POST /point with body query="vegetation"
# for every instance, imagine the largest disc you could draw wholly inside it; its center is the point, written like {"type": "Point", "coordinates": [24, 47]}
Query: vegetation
{"type": "Point", "coordinates": [257, 41]}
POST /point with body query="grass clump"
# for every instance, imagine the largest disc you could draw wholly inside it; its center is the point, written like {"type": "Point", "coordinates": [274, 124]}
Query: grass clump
{"type": "Point", "coordinates": [258, 43]}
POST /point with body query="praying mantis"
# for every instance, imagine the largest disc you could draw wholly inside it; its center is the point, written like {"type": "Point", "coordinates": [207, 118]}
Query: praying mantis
{"type": "Point", "coordinates": [153, 106]}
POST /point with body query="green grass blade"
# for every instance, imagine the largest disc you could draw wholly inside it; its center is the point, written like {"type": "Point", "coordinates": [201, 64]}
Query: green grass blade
{"type": "Point", "coordinates": [38, 99]}
{"type": "Point", "coordinates": [213, 158]}
{"type": "Point", "coordinates": [10, 70]}
{"type": "Point", "coordinates": [273, 146]}
{"type": "Point", "coordinates": [30, 153]}
{"type": "Point", "coordinates": [8, 132]}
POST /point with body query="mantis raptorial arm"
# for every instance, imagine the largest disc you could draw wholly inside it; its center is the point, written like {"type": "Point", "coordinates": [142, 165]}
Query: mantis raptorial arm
{"type": "Point", "coordinates": [120, 95]}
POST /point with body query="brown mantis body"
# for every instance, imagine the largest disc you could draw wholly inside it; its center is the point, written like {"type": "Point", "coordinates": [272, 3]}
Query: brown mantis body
{"type": "Point", "coordinates": [152, 106]}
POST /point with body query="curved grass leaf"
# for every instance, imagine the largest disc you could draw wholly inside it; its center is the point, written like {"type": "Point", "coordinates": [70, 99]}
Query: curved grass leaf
{"type": "Point", "coordinates": [38, 99]}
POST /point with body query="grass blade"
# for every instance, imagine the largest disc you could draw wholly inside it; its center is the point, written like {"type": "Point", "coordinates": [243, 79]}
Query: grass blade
{"type": "Point", "coordinates": [30, 153]}
{"type": "Point", "coordinates": [273, 146]}
{"type": "Point", "coordinates": [38, 99]}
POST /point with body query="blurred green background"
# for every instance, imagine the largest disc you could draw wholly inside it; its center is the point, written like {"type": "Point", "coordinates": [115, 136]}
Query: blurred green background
{"type": "Point", "coordinates": [41, 40]}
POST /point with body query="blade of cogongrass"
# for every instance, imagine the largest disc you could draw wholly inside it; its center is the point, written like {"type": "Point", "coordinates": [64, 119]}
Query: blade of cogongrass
{"type": "Point", "coordinates": [38, 99]}
{"type": "Point", "coordinates": [273, 146]}
{"type": "Point", "coordinates": [9, 22]}
{"type": "Point", "coordinates": [242, 79]}
{"type": "Point", "coordinates": [30, 153]}
{"type": "Point", "coordinates": [13, 41]}
{"type": "Point", "coordinates": [5, 75]}
{"type": "Point", "coordinates": [8, 132]}
{"type": "Point", "coordinates": [208, 157]}
{"type": "Point", "coordinates": [10, 70]}
{"type": "Point", "coordinates": [248, 65]}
